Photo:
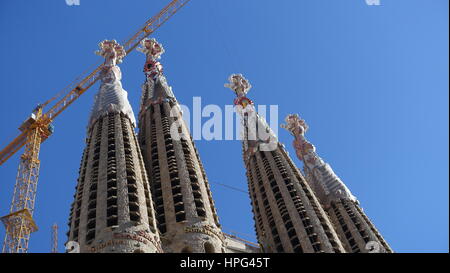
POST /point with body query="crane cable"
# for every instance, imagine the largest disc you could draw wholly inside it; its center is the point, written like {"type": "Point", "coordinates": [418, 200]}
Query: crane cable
{"type": "Point", "coordinates": [230, 187]}
{"type": "Point", "coordinates": [234, 60]}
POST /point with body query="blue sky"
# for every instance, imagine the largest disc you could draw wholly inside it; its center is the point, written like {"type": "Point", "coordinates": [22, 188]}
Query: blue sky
{"type": "Point", "coordinates": [371, 82]}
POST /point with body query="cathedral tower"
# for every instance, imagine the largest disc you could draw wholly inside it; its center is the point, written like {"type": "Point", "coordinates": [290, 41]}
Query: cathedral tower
{"type": "Point", "coordinates": [185, 210]}
{"type": "Point", "coordinates": [354, 228]}
{"type": "Point", "coordinates": [113, 208]}
{"type": "Point", "coordinates": [288, 216]}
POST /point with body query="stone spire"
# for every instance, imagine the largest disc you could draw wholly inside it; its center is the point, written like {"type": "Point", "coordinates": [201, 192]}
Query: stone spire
{"type": "Point", "coordinates": [288, 217]}
{"type": "Point", "coordinates": [257, 134]}
{"type": "Point", "coordinates": [185, 210]}
{"type": "Point", "coordinates": [326, 183]}
{"type": "Point", "coordinates": [355, 229]}
{"type": "Point", "coordinates": [113, 208]}
{"type": "Point", "coordinates": [111, 97]}
{"type": "Point", "coordinates": [155, 88]}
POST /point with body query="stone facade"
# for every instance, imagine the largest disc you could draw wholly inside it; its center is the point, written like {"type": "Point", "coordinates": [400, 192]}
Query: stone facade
{"type": "Point", "coordinates": [185, 211]}
{"type": "Point", "coordinates": [113, 208]}
{"type": "Point", "coordinates": [288, 216]}
{"type": "Point", "coordinates": [354, 228]}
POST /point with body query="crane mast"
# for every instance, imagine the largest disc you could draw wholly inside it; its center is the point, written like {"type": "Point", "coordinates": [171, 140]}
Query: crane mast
{"type": "Point", "coordinates": [54, 238]}
{"type": "Point", "coordinates": [19, 223]}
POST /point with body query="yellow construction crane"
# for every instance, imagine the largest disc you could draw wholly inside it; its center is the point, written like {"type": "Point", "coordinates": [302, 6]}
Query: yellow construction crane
{"type": "Point", "coordinates": [38, 127]}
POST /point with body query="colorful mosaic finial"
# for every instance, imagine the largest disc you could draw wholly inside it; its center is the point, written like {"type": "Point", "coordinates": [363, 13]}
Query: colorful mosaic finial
{"type": "Point", "coordinates": [112, 51]}
{"type": "Point", "coordinates": [153, 50]}
{"type": "Point", "coordinates": [295, 125]}
{"type": "Point", "coordinates": [238, 84]}
{"type": "Point", "coordinates": [151, 47]}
